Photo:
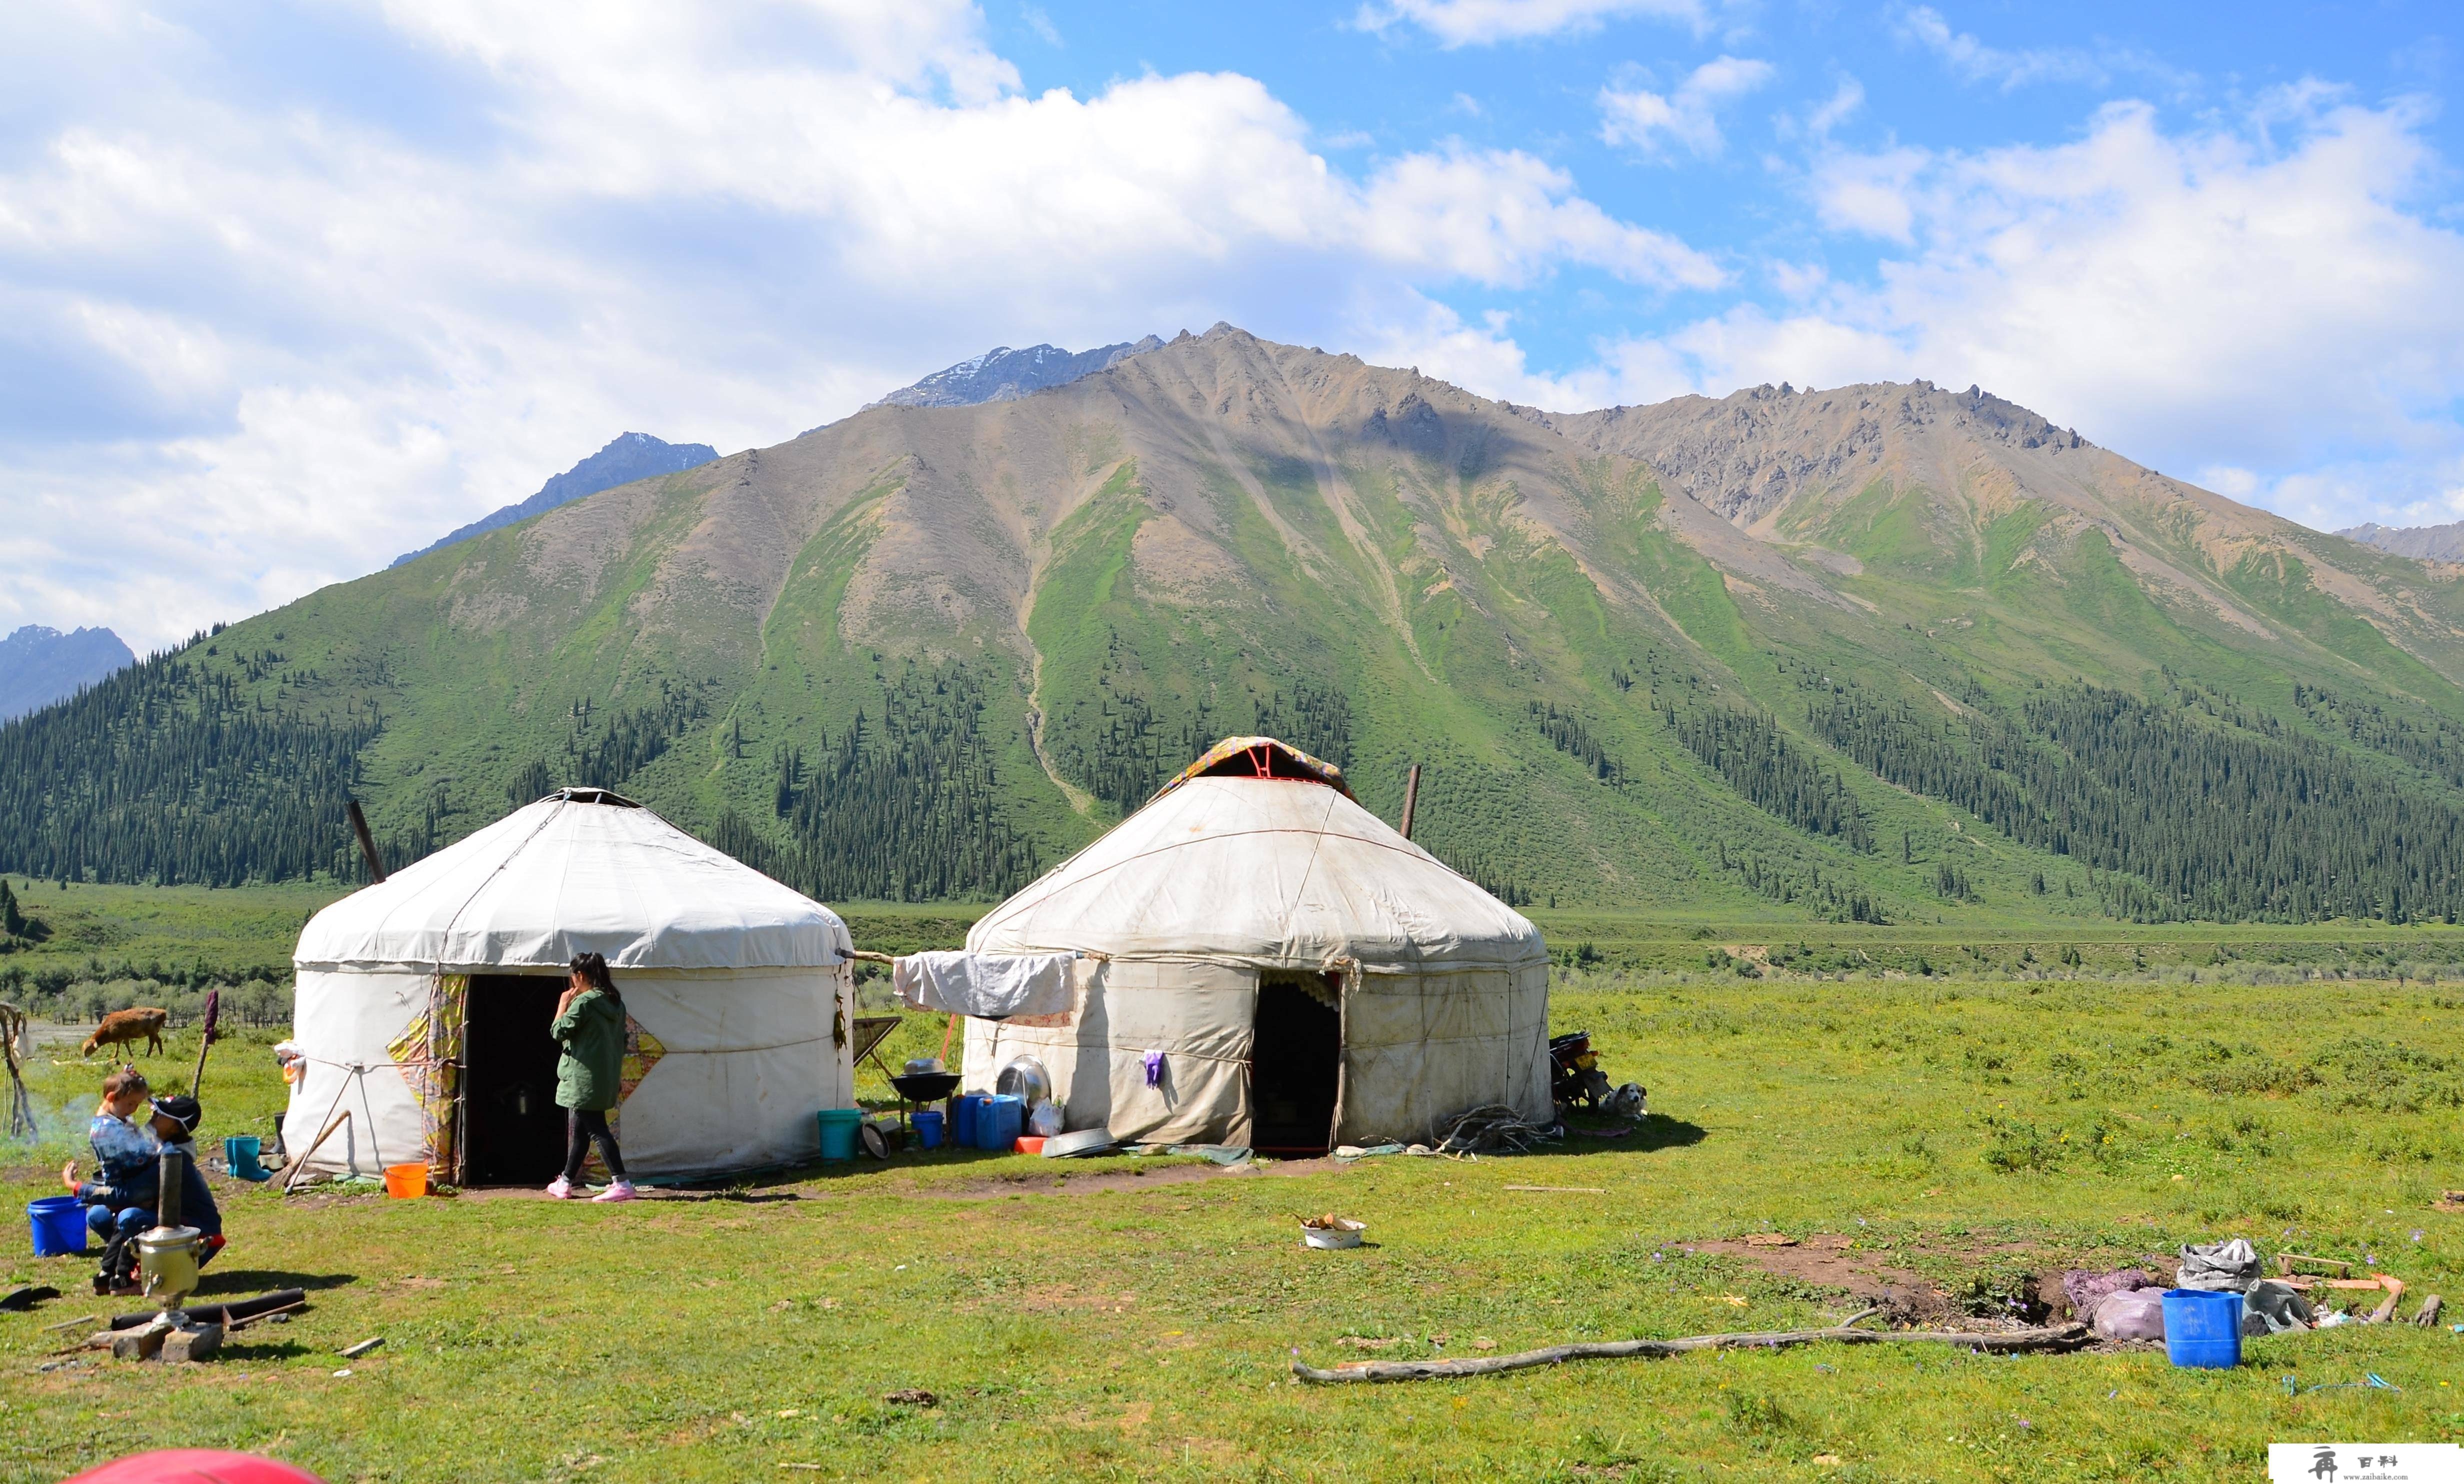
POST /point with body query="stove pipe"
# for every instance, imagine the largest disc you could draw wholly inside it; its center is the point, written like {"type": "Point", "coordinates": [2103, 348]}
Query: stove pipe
{"type": "Point", "coordinates": [166, 1189]}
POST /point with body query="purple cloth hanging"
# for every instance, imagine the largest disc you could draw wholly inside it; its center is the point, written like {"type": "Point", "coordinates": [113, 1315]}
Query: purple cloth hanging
{"type": "Point", "coordinates": [1155, 1068]}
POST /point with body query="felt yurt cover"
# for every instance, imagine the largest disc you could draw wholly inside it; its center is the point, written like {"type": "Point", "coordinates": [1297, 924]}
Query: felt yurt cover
{"type": "Point", "coordinates": [1224, 878]}
{"type": "Point", "coordinates": [736, 989]}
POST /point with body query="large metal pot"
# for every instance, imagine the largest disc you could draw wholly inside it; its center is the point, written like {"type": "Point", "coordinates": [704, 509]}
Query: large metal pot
{"type": "Point", "coordinates": [1025, 1077]}
{"type": "Point", "coordinates": [168, 1258]}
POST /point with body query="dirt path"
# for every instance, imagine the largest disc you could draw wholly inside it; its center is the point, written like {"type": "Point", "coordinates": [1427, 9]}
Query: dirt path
{"type": "Point", "coordinates": [988, 1187]}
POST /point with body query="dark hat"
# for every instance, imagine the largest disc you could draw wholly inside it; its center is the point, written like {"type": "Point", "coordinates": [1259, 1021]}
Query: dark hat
{"type": "Point", "coordinates": [181, 1108]}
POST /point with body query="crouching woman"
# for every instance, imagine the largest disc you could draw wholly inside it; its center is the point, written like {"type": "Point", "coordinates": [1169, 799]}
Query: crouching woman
{"type": "Point", "coordinates": [119, 1200]}
{"type": "Point", "coordinates": [589, 1028]}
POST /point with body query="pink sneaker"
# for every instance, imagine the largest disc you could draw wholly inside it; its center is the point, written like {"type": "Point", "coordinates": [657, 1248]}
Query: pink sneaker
{"type": "Point", "coordinates": [561, 1188]}
{"type": "Point", "coordinates": [621, 1190]}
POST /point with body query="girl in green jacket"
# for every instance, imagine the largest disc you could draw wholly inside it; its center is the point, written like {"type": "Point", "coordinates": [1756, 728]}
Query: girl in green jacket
{"type": "Point", "coordinates": [589, 1024]}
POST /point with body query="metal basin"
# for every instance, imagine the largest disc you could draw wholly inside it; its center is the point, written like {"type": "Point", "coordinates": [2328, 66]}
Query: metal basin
{"type": "Point", "coordinates": [926, 1086]}
{"type": "Point", "coordinates": [1025, 1077]}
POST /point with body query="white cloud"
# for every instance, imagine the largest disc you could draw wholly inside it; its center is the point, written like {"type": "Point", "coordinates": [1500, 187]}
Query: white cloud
{"type": "Point", "coordinates": [1500, 217]}
{"type": "Point", "coordinates": [1835, 111]}
{"type": "Point", "coordinates": [1869, 193]}
{"type": "Point", "coordinates": [1456, 23]}
{"type": "Point", "coordinates": [1688, 114]}
{"type": "Point", "coordinates": [2267, 313]}
{"type": "Point", "coordinates": [1973, 59]}
{"type": "Point", "coordinates": [288, 339]}
{"type": "Point", "coordinates": [1485, 358]}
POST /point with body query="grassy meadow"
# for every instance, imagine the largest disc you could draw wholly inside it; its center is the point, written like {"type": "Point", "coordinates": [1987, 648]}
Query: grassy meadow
{"type": "Point", "coordinates": [1124, 1318]}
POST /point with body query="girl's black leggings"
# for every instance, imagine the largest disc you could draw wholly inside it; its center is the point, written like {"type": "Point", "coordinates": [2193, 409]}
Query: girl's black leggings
{"type": "Point", "coordinates": [580, 1127]}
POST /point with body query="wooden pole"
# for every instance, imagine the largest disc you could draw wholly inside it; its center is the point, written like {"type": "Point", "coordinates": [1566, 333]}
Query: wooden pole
{"type": "Point", "coordinates": [1411, 799]}
{"type": "Point", "coordinates": [205, 1043]}
{"type": "Point", "coordinates": [299, 1166]}
{"type": "Point", "coordinates": [2069, 1336]}
{"type": "Point", "coordinates": [367, 843]}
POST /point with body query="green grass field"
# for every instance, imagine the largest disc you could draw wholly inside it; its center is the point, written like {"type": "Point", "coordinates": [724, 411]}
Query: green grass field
{"type": "Point", "coordinates": [1094, 1321]}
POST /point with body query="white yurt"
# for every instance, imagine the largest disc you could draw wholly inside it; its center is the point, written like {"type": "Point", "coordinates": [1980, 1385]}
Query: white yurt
{"type": "Point", "coordinates": [423, 1002]}
{"type": "Point", "coordinates": [1264, 962]}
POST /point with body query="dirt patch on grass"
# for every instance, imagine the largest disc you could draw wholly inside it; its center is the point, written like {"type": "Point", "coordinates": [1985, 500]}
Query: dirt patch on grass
{"type": "Point", "coordinates": [1047, 1297]}
{"type": "Point", "coordinates": [1832, 1261]}
{"type": "Point", "coordinates": [994, 1187]}
{"type": "Point", "coordinates": [1029, 1180]}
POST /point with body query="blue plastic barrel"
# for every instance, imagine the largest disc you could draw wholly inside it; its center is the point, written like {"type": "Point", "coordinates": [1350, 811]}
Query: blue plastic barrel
{"type": "Point", "coordinates": [999, 1122]}
{"type": "Point", "coordinates": [963, 1111]}
{"type": "Point", "coordinates": [928, 1129]}
{"type": "Point", "coordinates": [2202, 1328]}
{"type": "Point", "coordinates": [59, 1226]}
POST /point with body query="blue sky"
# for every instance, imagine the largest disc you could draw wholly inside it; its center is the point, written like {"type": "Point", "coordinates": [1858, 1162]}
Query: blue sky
{"type": "Point", "coordinates": [292, 287]}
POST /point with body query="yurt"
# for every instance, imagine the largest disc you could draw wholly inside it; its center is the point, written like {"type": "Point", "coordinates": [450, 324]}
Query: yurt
{"type": "Point", "coordinates": [1261, 960]}
{"type": "Point", "coordinates": [423, 1002]}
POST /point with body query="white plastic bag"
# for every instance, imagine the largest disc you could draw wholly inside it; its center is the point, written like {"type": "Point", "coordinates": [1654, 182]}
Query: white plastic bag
{"type": "Point", "coordinates": [1046, 1120]}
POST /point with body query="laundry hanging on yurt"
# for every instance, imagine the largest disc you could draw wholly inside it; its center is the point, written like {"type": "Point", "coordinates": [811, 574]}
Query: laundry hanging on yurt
{"type": "Point", "coordinates": [423, 1002]}
{"type": "Point", "coordinates": [1270, 963]}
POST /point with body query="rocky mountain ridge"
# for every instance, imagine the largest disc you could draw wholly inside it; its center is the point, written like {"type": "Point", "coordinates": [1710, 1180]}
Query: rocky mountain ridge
{"type": "Point", "coordinates": [2423, 542]}
{"type": "Point", "coordinates": [39, 665]}
{"type": "Point", "coordinates": [1864, 650]}
{"type": "Point", "coordinates": [1001, 374]}
{"type": "Point", "coordinates": [625, 458]}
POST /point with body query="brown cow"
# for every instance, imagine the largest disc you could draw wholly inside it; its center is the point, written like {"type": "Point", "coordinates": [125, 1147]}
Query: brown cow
{"type": "Point", "coordinates": [129, 1027]}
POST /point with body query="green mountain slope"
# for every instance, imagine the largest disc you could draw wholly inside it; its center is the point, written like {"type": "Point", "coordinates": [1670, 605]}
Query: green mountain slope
{"type": "Point", "coordinates": [1875, 653]}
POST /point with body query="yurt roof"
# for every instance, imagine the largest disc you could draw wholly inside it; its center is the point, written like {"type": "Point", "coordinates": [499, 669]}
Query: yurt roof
{"type": "Point", "coordinates": [580, 870]}
{"type": "Point", "coordinates": [1277, 870]}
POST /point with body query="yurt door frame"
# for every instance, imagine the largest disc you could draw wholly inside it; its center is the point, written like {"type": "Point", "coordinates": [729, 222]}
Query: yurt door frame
{"type": "Point", "coordinates": [514, 1132]}
{"type": "Point", "coordinates": [1296, 1061]}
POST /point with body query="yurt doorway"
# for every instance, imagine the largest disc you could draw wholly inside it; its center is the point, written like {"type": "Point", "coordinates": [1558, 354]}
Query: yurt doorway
{"type": "Point", "coordinates": [1295, 1062]}
{"type": "Point", "coordinates": [514, 1130]}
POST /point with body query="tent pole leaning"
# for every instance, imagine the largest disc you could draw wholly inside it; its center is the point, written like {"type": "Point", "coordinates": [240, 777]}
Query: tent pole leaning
{"type": "Point", "coordinates": [1411, 801]}
{"type": "Point", "coordinates": [367, 843]}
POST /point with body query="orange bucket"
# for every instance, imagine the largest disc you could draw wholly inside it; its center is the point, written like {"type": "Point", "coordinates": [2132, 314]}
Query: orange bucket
{"type": "Point", "coordinates": [406, 1182]}
{"type": "Point", "coordinates": [1029, 1144]}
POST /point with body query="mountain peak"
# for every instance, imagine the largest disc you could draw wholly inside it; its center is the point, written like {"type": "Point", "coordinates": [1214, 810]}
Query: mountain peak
{"type": "Point", "coordinates": [2422, 542]}
{"type": "Point", "coordinates": [1002, 374]}
{"type": "Point", "coordinates": [39, 665]}
{"type": "Point", "coordinates": [628, 457]}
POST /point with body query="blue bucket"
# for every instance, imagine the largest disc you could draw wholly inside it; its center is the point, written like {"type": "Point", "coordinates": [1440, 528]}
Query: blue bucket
{"type": "Point", "coordinates": [59, 1226]}
{"type": "Point", "coordinates": [928, 1129]}
{"type": "Point", "coordinates": [838, 1126]}
{"type": "Point", "coordinates": [2202, 1329]}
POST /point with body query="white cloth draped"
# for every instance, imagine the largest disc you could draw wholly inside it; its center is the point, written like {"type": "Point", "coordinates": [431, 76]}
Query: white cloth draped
{"type": "Point", "coordinates": [986, 985]}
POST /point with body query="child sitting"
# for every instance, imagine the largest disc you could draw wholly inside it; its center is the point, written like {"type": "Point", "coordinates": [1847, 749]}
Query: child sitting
{"type": "Point", "coordinates": [175, 1128]}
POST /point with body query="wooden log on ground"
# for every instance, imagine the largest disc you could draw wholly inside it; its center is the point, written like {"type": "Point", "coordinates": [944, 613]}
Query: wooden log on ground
{"type": "Point", "coordinates": [2065, 1337]}
{"type": "Point", "coordinates": [2385, 1310]}
{"type": "Point", "coordinates": [2284, 1262]}
{"type": "Point", "coordinates": [2429, 1314]}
